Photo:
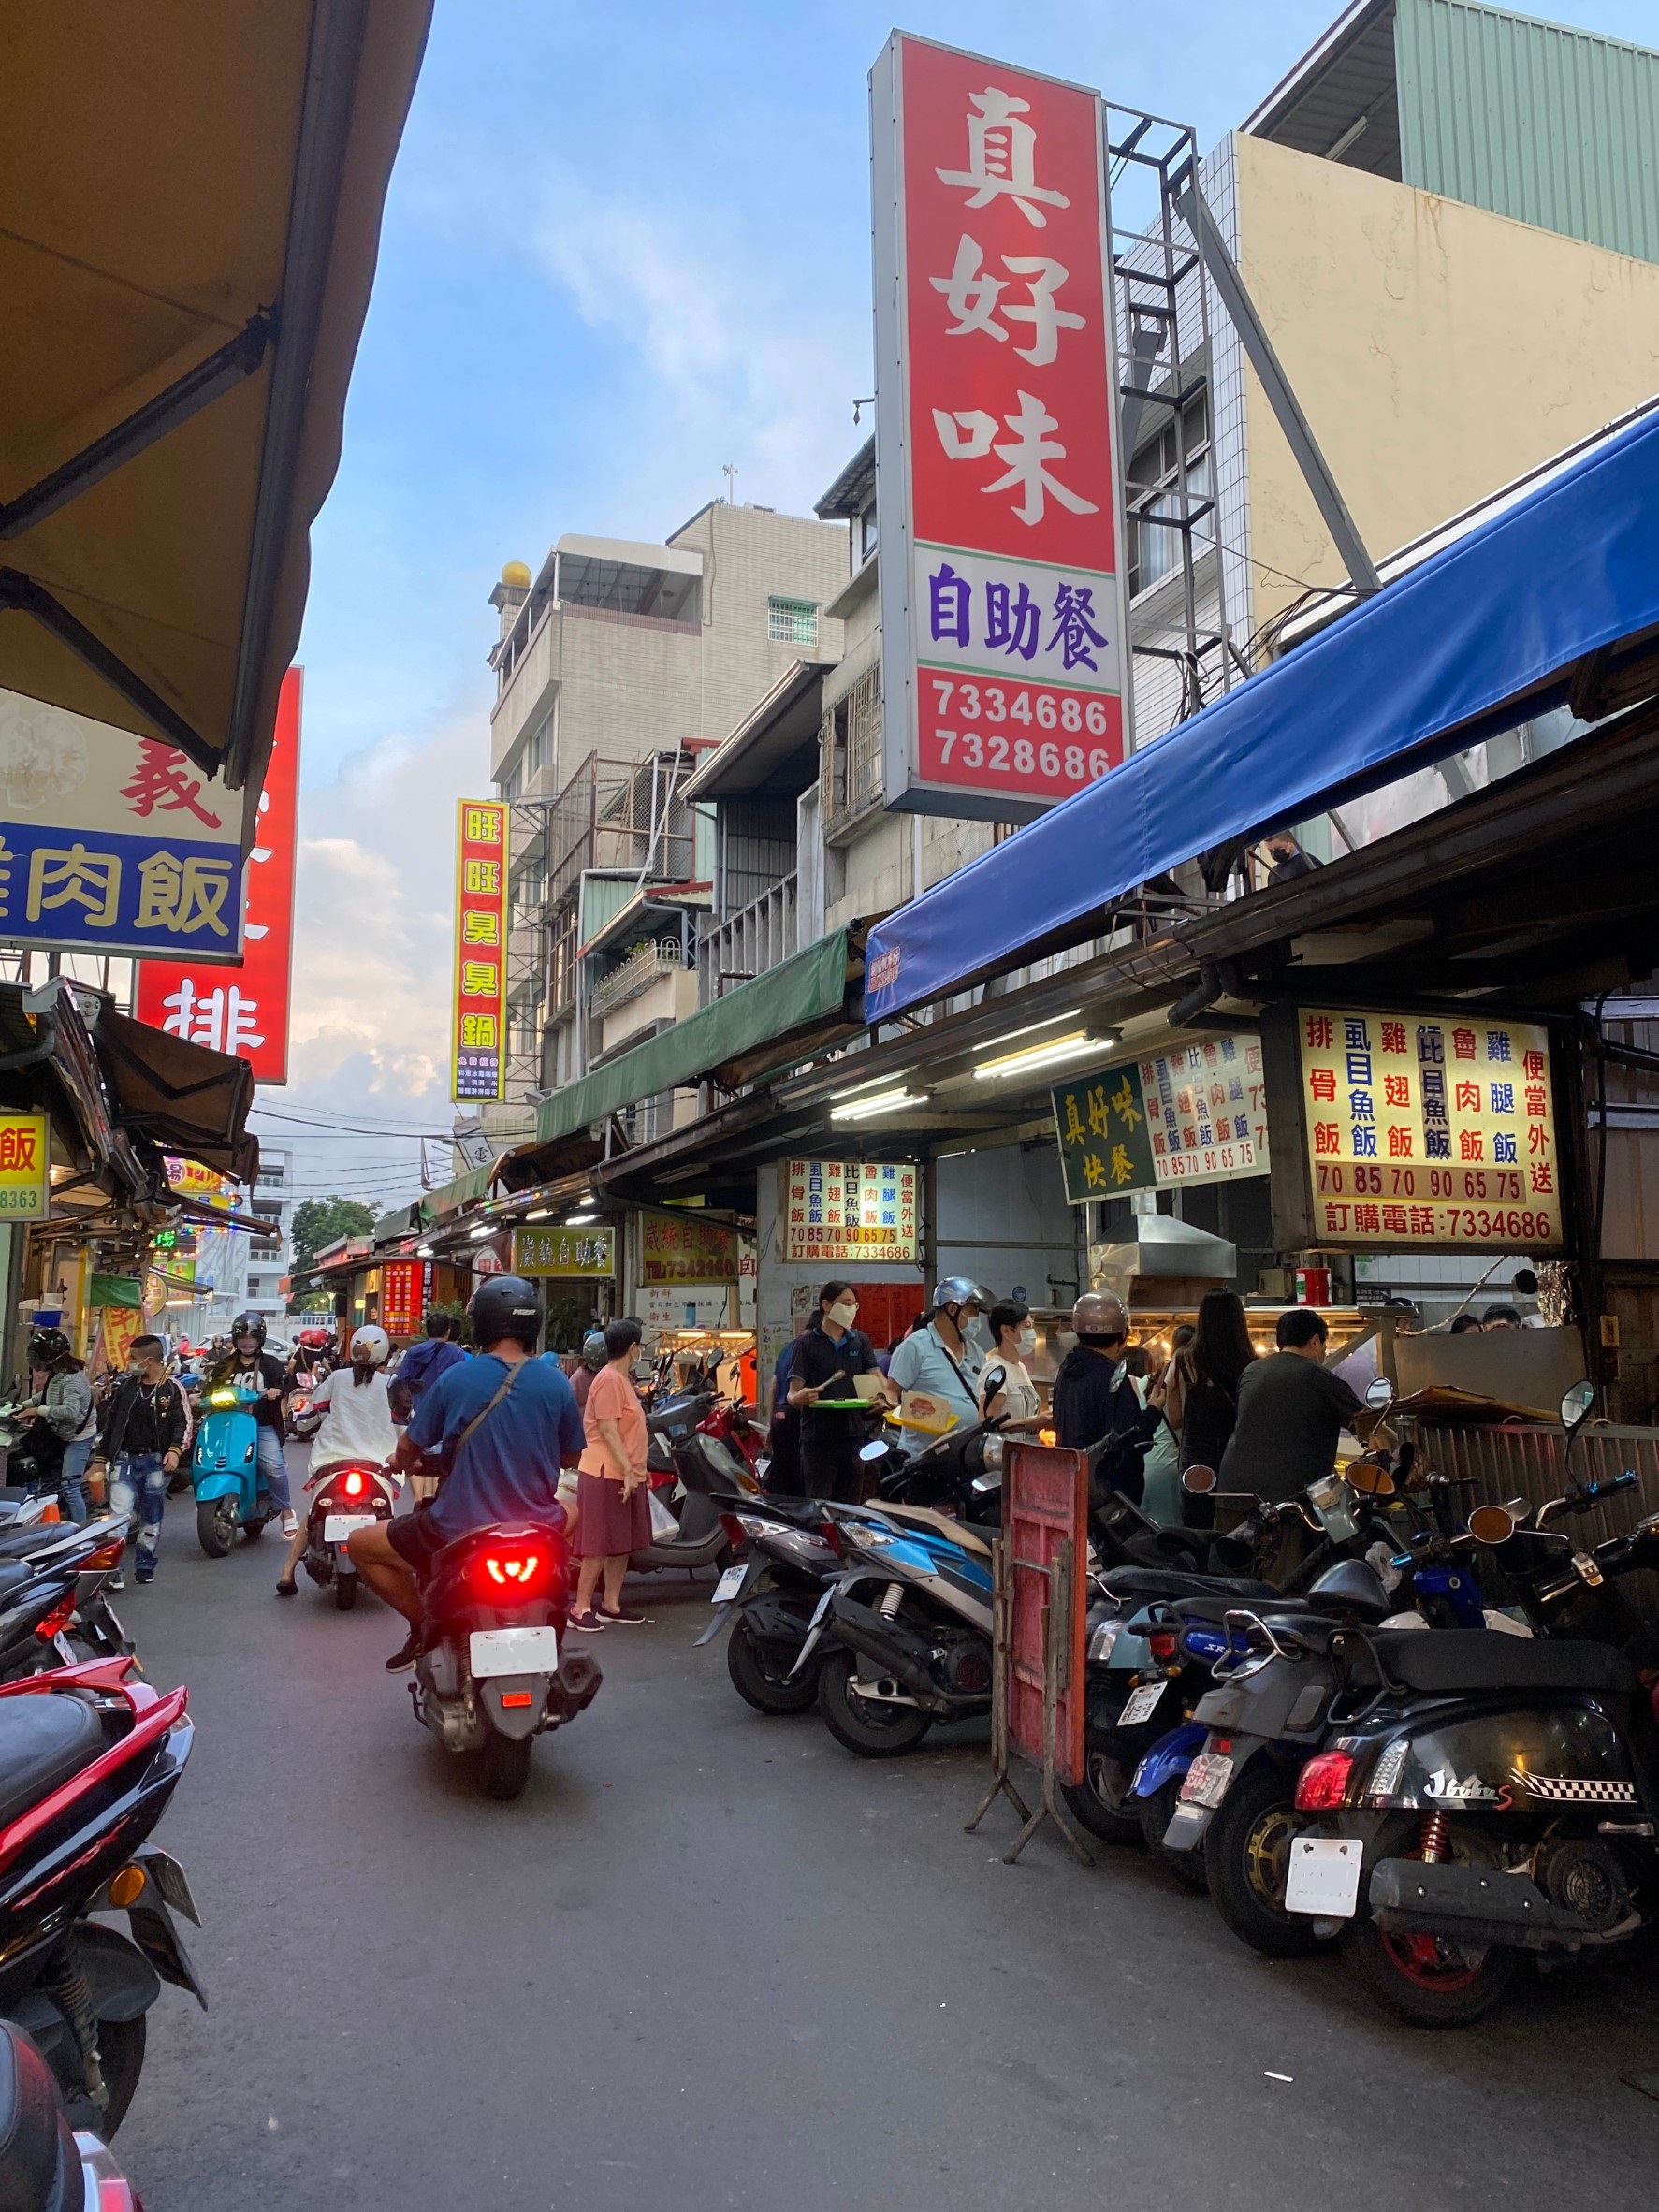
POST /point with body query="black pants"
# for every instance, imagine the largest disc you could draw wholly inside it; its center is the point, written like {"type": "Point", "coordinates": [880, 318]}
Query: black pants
{"type": "Point", "coordinates": [783, 1476]}
{"type": "Point", "coordinates": [831, 1469]}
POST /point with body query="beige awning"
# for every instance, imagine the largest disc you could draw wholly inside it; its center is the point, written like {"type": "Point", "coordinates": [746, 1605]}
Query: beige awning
{"type": "Point", "coordinates": [190, 205]}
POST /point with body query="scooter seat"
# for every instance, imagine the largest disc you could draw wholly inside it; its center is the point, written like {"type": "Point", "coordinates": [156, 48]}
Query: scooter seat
{"type": "Point", "coordinates": [15, 1572]}
{"type": "Point", "coordinates": [43, 1740]}
{"type": "Point", "coordinates": [1457, 1659]}
{"type": "Point", "coordinates": [1143, 1583]}
{"type": "Point", "coordinates": [940, 1524]}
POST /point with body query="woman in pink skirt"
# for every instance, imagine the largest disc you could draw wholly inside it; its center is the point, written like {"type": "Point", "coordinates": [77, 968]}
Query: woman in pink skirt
{"type": "Point", "coordinates": [613, 1502]}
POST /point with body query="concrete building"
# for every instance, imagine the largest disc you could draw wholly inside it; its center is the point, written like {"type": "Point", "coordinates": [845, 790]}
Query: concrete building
{"type": "Point", "coordinates": [270, 1257]}
{"type": "Point", "coordinates": [616, 663]}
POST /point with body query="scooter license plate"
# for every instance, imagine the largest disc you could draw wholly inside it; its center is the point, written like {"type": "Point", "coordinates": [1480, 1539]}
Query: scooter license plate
{"type": "Point", "coordinates": [1206, 1780]}
{"type": "Point", "coordinates": [513, 1651]}
{"type": "Point", "coordinates": [729, 1583]}
{"type": "Point", "coordinates": [1140, 1705]}
{"type": "Point", "coordinates": [1323, 1878]}
{"type": "Point", "coordinates": [338, 1526]}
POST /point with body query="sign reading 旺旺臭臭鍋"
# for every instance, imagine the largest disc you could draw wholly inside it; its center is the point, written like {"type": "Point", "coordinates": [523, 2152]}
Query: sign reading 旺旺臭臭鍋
{"type": "Point", "coordinates": [840, 1212]}
{"type": "Point", "coordinates": [1195, 1115]}
{"type": "Point", "coordinates": [1429, 1131]}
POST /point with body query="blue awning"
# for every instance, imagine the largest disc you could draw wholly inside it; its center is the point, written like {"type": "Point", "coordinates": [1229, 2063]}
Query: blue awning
{"type": "Point", "coordinates": [1481, 635]}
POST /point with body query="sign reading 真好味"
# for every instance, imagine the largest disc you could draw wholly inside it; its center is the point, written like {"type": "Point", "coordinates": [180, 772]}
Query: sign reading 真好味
{"type": "Point", "coordinates": [1196, 1113]}
{"type": "Point", "coordinates": [1429, 1130]}
{"type": "Point", "coordinates": [1002, 602]}
{"type": "Point", "coordinates": [838, 1211]}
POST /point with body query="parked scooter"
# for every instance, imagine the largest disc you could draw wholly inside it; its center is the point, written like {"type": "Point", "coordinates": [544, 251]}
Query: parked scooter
{"type": "Point", "coordinates": [493, 1677]}
{"type": "Point", "coordinates": [49, 2166]}
{"type": "Point", "coordinates": [89, 1760]}
{"type": "Point", "coordinates": [93, 1550]}
{"type": "Point", "coordinates": [700, 1532]}
{"type": "Point", "coordinates": [350, 1494]}
{"type": "Point", "coordinates": [1483, 1795]}
{"type": "Point", "coordinates": [230, 1492]}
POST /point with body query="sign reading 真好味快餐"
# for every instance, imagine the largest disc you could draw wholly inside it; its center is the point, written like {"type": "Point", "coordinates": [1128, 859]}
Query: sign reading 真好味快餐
{"type": "Point", "coordinates": [1002, 599]}
{"type": "Point", "coordinates": [1196, 1113]}
{"type": "Point", "coordinates": [1429, 1131]}
{"type": "Point", "coordinates": [838, 1211]}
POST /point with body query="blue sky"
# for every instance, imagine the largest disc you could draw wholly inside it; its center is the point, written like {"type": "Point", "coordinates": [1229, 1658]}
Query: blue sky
{"type": "Point", "coordinates": [623, 246]}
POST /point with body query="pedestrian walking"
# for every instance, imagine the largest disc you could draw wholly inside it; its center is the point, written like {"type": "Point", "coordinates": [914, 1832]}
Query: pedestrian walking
{"type": "Point", "coordinates": [142, 1440]}
{"type": "Point", "coordinates": [613, 1499]}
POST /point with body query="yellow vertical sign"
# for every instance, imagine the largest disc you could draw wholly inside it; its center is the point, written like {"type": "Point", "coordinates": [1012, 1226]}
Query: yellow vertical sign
{"type": "Point", "coordinates": [479, 997]}
{"type": "Point", "coordinates": [23, 1152]}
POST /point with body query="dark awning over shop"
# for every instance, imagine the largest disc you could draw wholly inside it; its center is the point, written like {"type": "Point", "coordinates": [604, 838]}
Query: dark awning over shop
{"type": "Point", "coordinates": [181, 1095]}
{"type": "Point", "coordinates": [759, 1025]}
{"type": "Point", "coordinates": [193, 197]}
{"type": "Point", "coordinates": [1555, 598]}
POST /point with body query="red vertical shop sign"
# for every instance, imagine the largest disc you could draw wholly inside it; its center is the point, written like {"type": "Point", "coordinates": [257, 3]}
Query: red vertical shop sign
{"type": "Point", "coordinates": [1004, 622]}
{"type": "Point", "coordinates": [480, 950]}
{"type": "Point", "coordinates": [244, 1009]}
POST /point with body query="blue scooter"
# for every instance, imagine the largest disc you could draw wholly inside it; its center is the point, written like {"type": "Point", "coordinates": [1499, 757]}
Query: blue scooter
{"type": "Point", "coordinates": [230, 1491]}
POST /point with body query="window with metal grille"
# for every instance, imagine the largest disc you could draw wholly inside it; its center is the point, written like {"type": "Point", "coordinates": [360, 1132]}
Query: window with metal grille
{"type": "Point", "coordinates": [1177, 459]}
{"type": "Point", "coordinates": [792, 622]}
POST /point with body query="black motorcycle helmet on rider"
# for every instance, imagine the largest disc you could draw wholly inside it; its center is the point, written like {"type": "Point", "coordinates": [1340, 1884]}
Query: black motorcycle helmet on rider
{"type": "Point", "coordinates": [504, 1306]}
{"type": "Point", "coordinates": [47, 1346]}
{"type": "Point", "coordinates": [248, 1325]}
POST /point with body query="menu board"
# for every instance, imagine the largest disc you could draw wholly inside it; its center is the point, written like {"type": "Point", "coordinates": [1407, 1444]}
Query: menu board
{"type": "Point", "coordinates": [1196, 1113]}
{"type": "Point", "coordinates": [1429, 1131]}
{"type": "Point", "coordinates": [840, 1212]}
{"type": "Point", "coordinates": [403, 1287]}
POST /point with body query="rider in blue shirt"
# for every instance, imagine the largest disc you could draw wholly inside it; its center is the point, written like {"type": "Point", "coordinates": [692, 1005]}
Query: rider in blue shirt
{"type": "Point", "coordinates": [505, 1471]}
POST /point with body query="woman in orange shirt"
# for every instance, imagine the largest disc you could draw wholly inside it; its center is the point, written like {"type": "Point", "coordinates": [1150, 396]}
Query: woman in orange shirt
{"type": "Point", "coordinates": [613, 1504]}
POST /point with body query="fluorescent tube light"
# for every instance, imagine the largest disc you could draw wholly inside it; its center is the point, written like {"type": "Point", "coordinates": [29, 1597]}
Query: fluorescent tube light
{"type": "Point", "coordinates": [1040, 1056]}
{"type": "Point", "coordinates": [883, 1103]}
{"type": "Point", "coordinates": [539, 1214]}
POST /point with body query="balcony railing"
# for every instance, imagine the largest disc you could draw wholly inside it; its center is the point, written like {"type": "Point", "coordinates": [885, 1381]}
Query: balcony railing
{"type": "Point", "coordinates": [635, 974]}
{"type": "Point", "coordinates": [756, 938]}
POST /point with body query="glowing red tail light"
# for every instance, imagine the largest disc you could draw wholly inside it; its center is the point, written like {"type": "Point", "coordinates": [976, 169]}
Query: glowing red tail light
{"type": "Point", "coordinates": [507, 1572]}
{"type": "Point", "coordinates": [354, 1484]}
{"type": "Point", "coordinates": [1163, 1643]}
{"type": "Point", "coordinates": [1323, 1783]}
{"type": "Point", "coordinates": [57, 1620]}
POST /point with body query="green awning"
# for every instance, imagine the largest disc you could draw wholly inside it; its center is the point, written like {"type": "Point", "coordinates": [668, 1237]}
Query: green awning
{"type": "Point", "coordinates": [451, 1197]}
{"type": "Point", "coordinates": [809, 987]}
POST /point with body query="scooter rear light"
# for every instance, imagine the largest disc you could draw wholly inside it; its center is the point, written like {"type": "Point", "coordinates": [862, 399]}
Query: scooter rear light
{"type": "Point", "coordinates": [507, 1572]}
{"type": "Point", "coordinates": [832, 1536]}
{"type": "Point", "coordinates": [516, 1697]}
{"type": "Point", "coordinates": [1323, 1783]}
{"type": "Point", "coordinates": [354, 1484]}
{"type": "Point", "coordinates": [1163, 1643]}
{"type": "Point", "coordinates": [57, 1620]}
{"type": "Point", "coordinates": [106, 1555]}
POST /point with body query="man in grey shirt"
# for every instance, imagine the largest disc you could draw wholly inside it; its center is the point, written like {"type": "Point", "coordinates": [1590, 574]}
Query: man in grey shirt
{"type": "Point", "coordinates": [1291, 1411]}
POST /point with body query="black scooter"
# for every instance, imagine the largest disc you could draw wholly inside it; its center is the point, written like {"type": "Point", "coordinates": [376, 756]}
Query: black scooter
{"type": "Point", "coordinates": [89, 1760]}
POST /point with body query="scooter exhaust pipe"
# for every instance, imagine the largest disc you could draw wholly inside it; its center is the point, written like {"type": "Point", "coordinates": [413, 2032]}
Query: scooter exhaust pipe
{"type": "Point", "coordinates": [884, 1644]}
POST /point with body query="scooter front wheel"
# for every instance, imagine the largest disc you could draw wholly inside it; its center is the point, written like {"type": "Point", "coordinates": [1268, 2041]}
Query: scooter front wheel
{"type": "Point", "coordinates": [867, 1726]}
{"type": "Point", "coordinates": [215, 1526]}
{"type": "Point", "coordinates": [1102, 1803]}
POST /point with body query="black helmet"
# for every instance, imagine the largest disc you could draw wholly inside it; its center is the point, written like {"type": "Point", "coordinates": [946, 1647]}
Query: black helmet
{"type": "Point", "coordinates": [248, 1325]}
{"type": "Point", "coordinates": [504, 1306]}
{"type": "Point", "coordinates": [46, 1346]}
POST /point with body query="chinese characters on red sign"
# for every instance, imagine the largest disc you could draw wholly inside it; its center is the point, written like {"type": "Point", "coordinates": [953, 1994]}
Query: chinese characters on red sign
{"type": "Point", "coordinates": [404, 1288]}
{"type": "Point", "coordinates": [480, 950]}
{"type": "Point", "coordinates": [1002, 609]}
{"type": "Point", "coordinates": [840, 1212]}
{"type": "Point", "coordinates": [241, 1010]}
{"type": "Point", "coordinates": [1431, 1131]}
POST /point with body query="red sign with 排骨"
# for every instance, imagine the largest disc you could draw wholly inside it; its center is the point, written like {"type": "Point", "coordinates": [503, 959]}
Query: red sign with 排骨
{"type": "Point", "coordinates": [1002, 607]}
{"type": "Point", "coordinates": [243, 1009]}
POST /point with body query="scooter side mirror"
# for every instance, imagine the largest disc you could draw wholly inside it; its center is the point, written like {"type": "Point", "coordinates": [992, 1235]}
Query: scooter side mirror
{"type": "Point", "coordinates": [1380, 1395]}
{"type": "Point", "coordinates": [1369, 1479]}
{"type": "Point", "coordinates": [875, 1449]}
{"type": "Point", "coordinates": [1199, 1481]}
{"type": "Point", "coordinates": [994, 1380]}
{"type": "Point", "coordinates": [1493, 1524]}
{"type": "Point", "coordinates": [1576, 1405]}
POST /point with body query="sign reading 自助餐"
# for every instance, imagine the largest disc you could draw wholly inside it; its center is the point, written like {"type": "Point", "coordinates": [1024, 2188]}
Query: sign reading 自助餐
{"type": "Point", "coordinates": [1429, 1129]}
{"type": "Point", "coordinates": [838, 1211]}
{"type": "Point", "coordinates": [1196, 1113]}
{"type": "Point", "coordinates": [1003, 623]}
{"type": "Point", "coordinates": [480, 1012]}
{"type": "Point", "coordinates": [565, 1252]}
{"type": "Point", "coordinates": [25, 1151]}
{"type": "Point", "coordinates": [682, 1249]}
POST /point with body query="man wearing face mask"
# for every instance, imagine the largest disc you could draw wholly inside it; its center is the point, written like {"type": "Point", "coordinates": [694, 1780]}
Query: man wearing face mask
{"type": "Point", "coordinates": [143, 1440]}
{"type": "Point", "coordinates": [1094, 1400]}
{"type": "Point", "coordinates": [1015, 1401]}
{"type": "Point", "coordinates": [827, 1358]}
{"type": "Point", "coordinates": [941, 1359]}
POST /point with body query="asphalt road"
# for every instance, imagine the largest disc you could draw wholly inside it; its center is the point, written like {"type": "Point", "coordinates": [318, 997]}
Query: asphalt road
{"type": "Point", "coordinates": [710, 1960]}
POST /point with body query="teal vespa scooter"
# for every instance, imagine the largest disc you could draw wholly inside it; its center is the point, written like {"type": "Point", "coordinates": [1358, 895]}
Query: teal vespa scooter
{"type": "Point", "coordinates": [230, 1492]}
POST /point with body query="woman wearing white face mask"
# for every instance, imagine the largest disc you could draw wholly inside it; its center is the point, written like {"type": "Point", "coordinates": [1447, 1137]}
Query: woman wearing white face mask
{"type": "Point", "coordinates": [828, 1357]}
{"type": "Point", "coordinates": [1016, 1396]}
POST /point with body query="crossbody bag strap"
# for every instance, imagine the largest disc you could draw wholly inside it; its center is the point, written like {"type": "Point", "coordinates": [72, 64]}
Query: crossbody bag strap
{"type": "Point", "coordinates": [479, 1419]}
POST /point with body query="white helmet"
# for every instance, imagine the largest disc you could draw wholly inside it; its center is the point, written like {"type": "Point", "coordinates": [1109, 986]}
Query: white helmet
{"type": "Point", "coordinates": [370, 1348]}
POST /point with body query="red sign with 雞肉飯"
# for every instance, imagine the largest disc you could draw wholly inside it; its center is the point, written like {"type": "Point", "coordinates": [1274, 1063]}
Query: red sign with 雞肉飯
{"type": "Point", "coordinates": [1002, 606]}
